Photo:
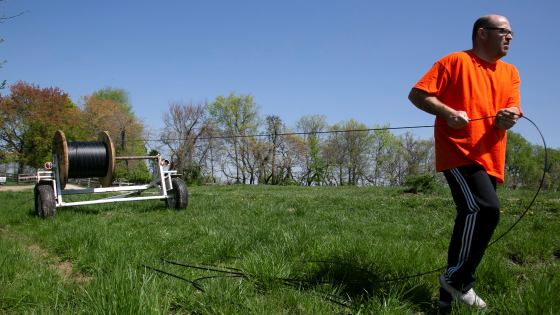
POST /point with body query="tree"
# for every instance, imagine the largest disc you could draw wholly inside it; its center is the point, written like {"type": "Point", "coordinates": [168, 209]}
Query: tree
{"type": "Point", "coordinates": [315, 165]}
{"type": "Point", "coordinates": [237, 116]}
{"type": "Point", "coordinates": [275, 157]}
{"type": "Point", "coordinates": [257, 159]}
{"type": "Point", "coordinates": [394, 168]}
{"type": "Point", "coordinates": [116, 94]}
{"type": "Point", "coordinates": [274, 125]}
{"type": "Point", "coordinates": [184, 123]}
{"type": "Point", "coordinates": [210, 151]}
{"type": "Point", "coordinates": [29, 117]}
{"type": "Point", "coordinates": [291, 155]}
{"type": "Point", "coordinates": [111, 116]}
{"type": "Point", "coordinates": [521, 165]}
{"type": "Point", "coordinates": [359, 143]}
{"type": "Point", "coordinates": [348, 148]}
{"type": "Point", "coordinates": [124, 111]}
{"type": "Point", "coordinates": [153, 164]}
{"type": "Point", "coordinates": [126, 132]}
{"type": "Point", "coordinates": [552, 177]}
{"type": "Point", "coordinates": [419, 155]}
{"type": "Point", "coordinates": [382, 143]}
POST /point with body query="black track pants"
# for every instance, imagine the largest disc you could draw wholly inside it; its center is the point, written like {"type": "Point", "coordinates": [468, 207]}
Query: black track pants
{"type": "Point", "coordinates": [478, 214]}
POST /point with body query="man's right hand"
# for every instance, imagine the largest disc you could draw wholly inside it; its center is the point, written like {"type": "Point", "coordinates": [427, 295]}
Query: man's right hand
{"type": "Point", "coordinates": [431, 104]}
{"type": "Point", "coordinates": [457, 119]}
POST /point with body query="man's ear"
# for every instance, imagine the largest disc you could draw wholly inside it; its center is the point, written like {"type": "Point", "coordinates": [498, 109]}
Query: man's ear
{"type": "Point", "coordinates": [482, 33]}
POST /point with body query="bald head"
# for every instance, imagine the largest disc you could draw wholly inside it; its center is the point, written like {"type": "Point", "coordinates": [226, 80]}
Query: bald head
{"type": "Point", "coordinates": [491, 37]}
{"type": "Point", "coordinates": [491, 20]}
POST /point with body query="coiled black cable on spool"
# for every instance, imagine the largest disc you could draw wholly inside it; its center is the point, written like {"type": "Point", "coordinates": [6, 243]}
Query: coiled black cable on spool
{"type": "Point", "coordinates": [87, 159]}
{"type": "Point", "coordinates": [84, 159]}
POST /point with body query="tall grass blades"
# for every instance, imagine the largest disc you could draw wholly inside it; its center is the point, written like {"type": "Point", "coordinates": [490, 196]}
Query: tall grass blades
{"type": "Point", "coordinates": [270, 250]}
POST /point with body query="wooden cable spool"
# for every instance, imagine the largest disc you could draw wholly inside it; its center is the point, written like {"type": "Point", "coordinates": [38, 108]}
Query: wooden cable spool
{"type": "Point", "coordinates": [107, 180]}
{"type": "Point", "coordinates": [104, 170]}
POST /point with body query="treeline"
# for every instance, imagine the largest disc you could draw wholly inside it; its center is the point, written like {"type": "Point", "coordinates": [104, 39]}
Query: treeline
{"type": "Point", "coordinates": [210, 141]}
{"type": "Point", "coordinates": [228, 140]}
{"type": "Point", "coordinates": [30, 115]}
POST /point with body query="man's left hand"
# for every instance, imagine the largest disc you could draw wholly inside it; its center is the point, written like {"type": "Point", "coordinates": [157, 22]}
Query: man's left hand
{"type": "Point", "coordinates": [506, 118]}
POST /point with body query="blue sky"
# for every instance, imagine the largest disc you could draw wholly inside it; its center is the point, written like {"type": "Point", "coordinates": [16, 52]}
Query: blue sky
{"type": "Point", "coordinates": [342, 59]}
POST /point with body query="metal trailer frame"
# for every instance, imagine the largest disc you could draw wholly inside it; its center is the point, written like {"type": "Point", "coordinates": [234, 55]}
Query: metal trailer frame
{"type": "Point", "coordinates": [49, 195]}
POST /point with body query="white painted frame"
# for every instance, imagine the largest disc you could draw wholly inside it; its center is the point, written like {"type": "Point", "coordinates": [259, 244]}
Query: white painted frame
{"type": "Point", "coordinates": [161, 181]}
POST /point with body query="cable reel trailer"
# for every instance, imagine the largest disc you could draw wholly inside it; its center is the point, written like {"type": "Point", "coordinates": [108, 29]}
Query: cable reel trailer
{"type": "Point", "coordinates": [88, 159]}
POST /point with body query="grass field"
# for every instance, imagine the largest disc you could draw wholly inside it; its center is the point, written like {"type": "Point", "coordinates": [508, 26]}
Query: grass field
{"type": "Point", "coordinates": [91, 259]}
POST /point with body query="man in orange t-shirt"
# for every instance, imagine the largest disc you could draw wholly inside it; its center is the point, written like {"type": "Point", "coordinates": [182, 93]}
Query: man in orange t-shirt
{"type": "Point", "coordinates": [465, 90]}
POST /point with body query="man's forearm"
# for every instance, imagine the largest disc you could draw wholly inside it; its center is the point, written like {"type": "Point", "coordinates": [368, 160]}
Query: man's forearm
{"type": "Point", "coordinates": [429, 103]}
{"type": "Point", "coordinates": [432, 105]}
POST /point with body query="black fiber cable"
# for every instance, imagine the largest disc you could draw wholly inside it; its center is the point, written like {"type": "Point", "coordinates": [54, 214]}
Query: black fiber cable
{"type": "Point", "coordinates": [305, 283]}
{"type": "Point", "coordinates": [90, 159]}
{"type": "Point", "coordinates": [87, 159]}
{"type": "Point", "coordinates": [294, 133]}
{"type": "Point", "coordinates": [20, 205]}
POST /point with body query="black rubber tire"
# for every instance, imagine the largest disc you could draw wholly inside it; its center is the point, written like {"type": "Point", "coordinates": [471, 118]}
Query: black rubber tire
{"type": "Point", "coordinates": [45, 205]}
{"type": "Point", "coordinates": [179, 198]}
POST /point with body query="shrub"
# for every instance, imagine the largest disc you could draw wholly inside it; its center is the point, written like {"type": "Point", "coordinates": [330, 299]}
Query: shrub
{"type": "Point", "coordinates": [421, 183]}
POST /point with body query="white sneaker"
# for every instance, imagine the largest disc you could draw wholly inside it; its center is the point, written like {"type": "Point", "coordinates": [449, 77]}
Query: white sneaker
{"type": "Point", "coordinates": [469, 299]}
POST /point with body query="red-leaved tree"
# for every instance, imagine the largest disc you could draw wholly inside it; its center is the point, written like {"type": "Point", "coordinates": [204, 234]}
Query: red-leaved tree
{"type": "Point", "coordinates": [29, 117]}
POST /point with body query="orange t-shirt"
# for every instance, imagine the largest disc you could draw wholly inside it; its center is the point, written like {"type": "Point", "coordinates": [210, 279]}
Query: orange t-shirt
{"type": "Point", "coordinates": [467, 83]}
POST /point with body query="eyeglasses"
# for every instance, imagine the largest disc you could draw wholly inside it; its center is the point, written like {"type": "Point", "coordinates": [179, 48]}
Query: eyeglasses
{"type": "Point", "coordinates": [505, 31]}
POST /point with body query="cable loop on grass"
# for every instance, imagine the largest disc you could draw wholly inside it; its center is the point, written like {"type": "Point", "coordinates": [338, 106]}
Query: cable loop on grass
{"type": "Point", "coordinates": [305, 283]}
{"type": "Point", "coordinates": [286, 281]}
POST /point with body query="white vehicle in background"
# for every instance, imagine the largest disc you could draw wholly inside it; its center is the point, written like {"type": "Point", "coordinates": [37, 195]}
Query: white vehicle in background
{"type": "Point", "coordinates": [2, 180]}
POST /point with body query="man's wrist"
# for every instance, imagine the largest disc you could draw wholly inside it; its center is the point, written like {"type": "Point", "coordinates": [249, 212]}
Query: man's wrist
{"type": "Point", "coordinates": [449, 113]}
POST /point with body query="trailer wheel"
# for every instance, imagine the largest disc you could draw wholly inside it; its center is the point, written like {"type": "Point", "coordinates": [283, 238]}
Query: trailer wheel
{"type": "Point", "coordinates": [179, 198]}
{"type": "Point", "coordinates": [45, 206]}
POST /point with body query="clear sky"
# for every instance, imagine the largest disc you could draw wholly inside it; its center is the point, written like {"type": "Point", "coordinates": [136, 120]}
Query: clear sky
{"type": "Point", "coordinates": [343, 59]}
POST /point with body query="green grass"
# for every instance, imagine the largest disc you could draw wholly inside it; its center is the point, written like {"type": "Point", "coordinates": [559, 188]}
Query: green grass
{"type": "Point", "coordinates": [89, 259]}
{"type": "Point", "coordinates": [15, 183]}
